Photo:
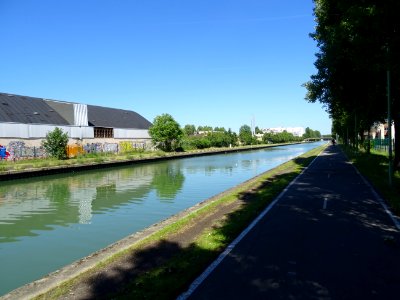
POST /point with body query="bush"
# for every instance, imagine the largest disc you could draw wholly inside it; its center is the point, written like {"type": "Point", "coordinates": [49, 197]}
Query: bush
{"type": "Point", "coordinates": [56, 143]}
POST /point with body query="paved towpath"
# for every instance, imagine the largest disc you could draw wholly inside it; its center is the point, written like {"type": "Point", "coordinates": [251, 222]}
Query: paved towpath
{"type": "Point", "coordinates": [327, 237]}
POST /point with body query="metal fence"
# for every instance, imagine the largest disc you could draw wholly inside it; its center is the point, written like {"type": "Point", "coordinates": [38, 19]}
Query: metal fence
{"type": "Point", "coordinates": [381, 144]}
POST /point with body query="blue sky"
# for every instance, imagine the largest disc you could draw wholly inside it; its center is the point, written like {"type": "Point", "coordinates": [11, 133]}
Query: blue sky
{"type": "Point", "coordinates": [206, 62]}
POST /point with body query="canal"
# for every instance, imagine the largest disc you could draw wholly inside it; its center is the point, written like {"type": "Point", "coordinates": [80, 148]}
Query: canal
{"type": "Point", "coordinates": [48, 222]}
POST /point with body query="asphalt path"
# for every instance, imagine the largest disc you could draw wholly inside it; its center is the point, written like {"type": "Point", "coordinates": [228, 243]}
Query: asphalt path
{"type": "Point", "coordinates": [327, 236]}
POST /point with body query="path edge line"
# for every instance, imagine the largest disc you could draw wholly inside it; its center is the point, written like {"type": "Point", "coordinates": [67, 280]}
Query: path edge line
{"type": "Point", "coordinates": [379, 199]}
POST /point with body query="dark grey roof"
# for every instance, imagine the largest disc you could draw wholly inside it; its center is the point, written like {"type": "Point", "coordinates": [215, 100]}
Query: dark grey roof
{"type": "Point", "coordinates": [28, 110]}
{"type": "Point", "coordinates": [115, 118]}
{"type": "Point", "coordinates": [31, 110]}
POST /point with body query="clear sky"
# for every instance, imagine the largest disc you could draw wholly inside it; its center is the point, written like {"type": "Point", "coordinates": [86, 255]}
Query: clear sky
{"type": "Point", "coordinates": [205, 62]}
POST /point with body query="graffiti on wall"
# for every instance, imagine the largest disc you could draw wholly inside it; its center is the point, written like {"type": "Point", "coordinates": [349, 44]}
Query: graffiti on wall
{"type": "Point", "coordinates": [19, 150]}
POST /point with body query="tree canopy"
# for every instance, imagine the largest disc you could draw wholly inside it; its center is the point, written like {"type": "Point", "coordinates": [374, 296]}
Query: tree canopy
{"type": "Point", "coordinates": [311, 133]}
{"type": "Point", "coordinates": [166, 132]}
{"type": "Point", "coordinates": [245, 135]}
{"type": "Point", "coordinates": [359, 42]}
{"type": "Point", "coordinates": [189, 129]}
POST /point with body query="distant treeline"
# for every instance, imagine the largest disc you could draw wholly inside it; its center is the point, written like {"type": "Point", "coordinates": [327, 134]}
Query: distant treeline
{"type": "Point", "coordinates": [168, 135]}
{"type": "Point", "coordinates": [207, 136]}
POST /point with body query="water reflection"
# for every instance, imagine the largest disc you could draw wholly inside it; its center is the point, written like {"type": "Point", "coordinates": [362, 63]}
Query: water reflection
{"type": "Point", "coordinates": [168, 181]}
{"type": "Point", "coordinates": [31, 205]}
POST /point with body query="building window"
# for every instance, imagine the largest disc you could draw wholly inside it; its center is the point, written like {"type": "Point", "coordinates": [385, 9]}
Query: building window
{"type": "Point", "coordinates": [101, 132]}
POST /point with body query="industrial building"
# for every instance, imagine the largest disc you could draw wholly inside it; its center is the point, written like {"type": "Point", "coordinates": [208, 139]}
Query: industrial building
{"type": "Point", "coordinates": [28, 120]}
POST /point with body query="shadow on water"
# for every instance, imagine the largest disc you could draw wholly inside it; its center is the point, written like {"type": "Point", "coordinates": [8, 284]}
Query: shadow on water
{"type": "Point", "coordinates": [166, 268]}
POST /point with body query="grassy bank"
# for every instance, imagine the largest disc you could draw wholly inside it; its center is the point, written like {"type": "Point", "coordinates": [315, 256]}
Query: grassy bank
{"type": "Point", "coordinates": [173, 275]}
{"type": "Point", "coordinates": [374, 166]}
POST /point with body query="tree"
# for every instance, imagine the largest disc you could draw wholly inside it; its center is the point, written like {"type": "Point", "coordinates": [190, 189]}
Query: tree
{"type": "Point", "coordinates": [268, 138]}
{"type": "Point", "coordinates": [245, 135]}
{"type": "Point", "coordinates": [166, 132]}
{"type": "Point", "coordinates": [56, 143]}
{"type": "Point", "coordinates": [205, 128]}
{"type": "Point", "coordinates": [258, 130]}
{"type": "Point", "coordinates": [189, 129]}
{"type": "Point", "coordinates": [359, 41]}
{"type": "Point", "coordinates": [311, 133]}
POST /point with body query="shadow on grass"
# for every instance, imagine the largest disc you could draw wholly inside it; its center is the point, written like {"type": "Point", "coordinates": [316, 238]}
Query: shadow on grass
{"type": "Point", "coordinates": [167, 268]}
{"type": "Point", "coordinates": [374, 167]}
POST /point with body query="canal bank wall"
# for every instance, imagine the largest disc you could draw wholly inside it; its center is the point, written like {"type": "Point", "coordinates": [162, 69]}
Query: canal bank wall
{"type": "Point", "coordinates": [53, 170]}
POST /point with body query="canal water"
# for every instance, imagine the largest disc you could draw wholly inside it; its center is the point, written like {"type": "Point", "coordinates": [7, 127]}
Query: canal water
{"type": "Point", "coordinates": [49, 222]}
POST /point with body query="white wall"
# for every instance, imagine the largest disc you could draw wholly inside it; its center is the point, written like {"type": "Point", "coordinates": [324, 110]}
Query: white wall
{"type": "Point", "coordinates": [31, 131]}
{"type": "Point", "coordinates": [131, 133]}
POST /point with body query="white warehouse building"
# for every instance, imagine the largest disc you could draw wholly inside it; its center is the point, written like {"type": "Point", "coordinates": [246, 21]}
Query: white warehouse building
{"type": "Point", "coordinates": [30, 119]}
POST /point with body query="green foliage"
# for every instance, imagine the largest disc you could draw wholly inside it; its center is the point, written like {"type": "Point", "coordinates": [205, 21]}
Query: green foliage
{"type": "Point", "coordinates": [282, 137]}
{"type": "Point", "coordinates": [189, 129]}
{"type": "Point", "coordinates": [211, 139]}
{"type": "Point", "coordinates": [166, 132]}
{"type": "Point", "coordinates": [204, 128]}
{"type": "Point", "coordinates": [245, 135]}
{"type": "Point", "coordinates": [311, 133]}
{"type": "Point", "coordinates": [220, 139]}
{"type": "Point", "coordinates": [56, 143]}
{"type": "Point", "coordinates": [196, 142]}
{"type": "Point", "coordinates": [258, 130]}
{"type": "Point", "coordinates": [359, 41]}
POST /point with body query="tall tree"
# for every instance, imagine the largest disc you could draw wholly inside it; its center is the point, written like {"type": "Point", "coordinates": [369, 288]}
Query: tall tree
{"type": "Point", "coordinates": [358, 42]}
{"type": "Point", "coordinates": [189, 129]}
{"type": "Point", "coordinates": [166, 132]}
{"type": "Point", "coordinates": [257, 130]}
{"type": "Point", "coordinates": [245, 135]}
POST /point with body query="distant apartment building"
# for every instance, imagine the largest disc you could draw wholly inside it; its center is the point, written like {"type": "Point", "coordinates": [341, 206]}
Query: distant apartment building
{"type": "Point", "coordinates": [296, 131]}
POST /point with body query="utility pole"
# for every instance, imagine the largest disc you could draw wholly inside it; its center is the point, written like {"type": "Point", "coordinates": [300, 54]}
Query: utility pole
{"type": "Point", "coordinates": [253, 126]}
